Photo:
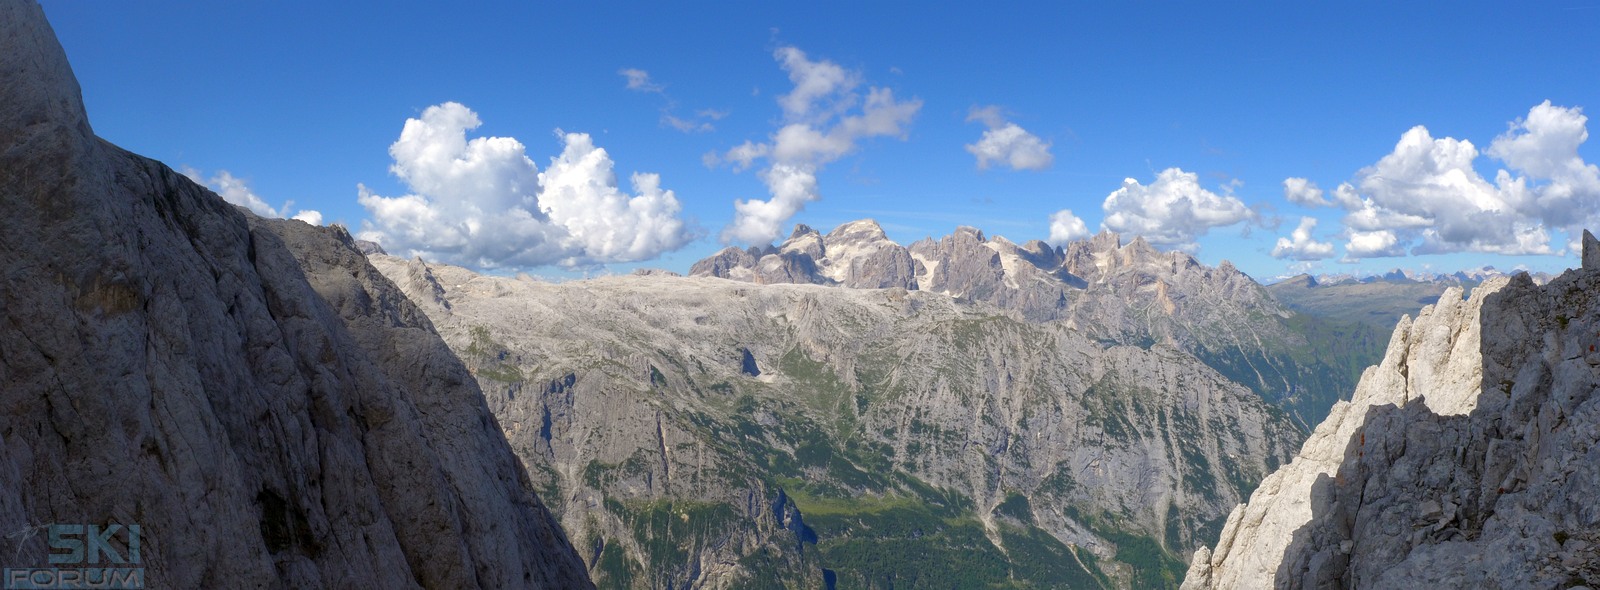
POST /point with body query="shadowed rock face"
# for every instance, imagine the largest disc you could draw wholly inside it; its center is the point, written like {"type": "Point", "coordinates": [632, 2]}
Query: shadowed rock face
{"type": "Point", "coordinates": [1467, 458]}
{"type": "Point", "coordinates": [269, 409]}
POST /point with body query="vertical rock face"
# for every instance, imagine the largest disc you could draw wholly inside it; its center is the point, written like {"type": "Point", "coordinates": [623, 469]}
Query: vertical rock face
{"type": "Point", "coordinates": [1591, 252]}
{"type": "Point", "coordinates": [269, 409]}
{"type": "Point", "coordinates": [1467, 459]}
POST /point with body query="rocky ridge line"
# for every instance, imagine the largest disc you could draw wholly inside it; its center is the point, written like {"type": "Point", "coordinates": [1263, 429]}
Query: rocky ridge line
{"type": "Point", "coordinates": [1467, 458]}
{"type": "Point", "coordinates": [1123, 293]}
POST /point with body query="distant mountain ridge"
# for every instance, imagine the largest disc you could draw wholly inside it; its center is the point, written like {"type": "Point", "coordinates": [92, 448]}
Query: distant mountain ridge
{"type": "Point", "coordinates": [1378, 301]}
{"type": "Point", "coordinates": [1118, 292]}
{"type": "Point", "coordinates": [1461, 278]}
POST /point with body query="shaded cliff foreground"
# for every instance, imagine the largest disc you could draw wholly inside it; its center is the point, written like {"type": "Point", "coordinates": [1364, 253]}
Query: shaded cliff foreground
{"type": "Point", "coordinates": [1466, 459]}
{"type": "Point", "coordinates": [229, 401]}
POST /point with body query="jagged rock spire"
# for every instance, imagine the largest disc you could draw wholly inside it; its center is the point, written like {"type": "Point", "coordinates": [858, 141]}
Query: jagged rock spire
{"type": "Point", "coordinates": [1591, 252]}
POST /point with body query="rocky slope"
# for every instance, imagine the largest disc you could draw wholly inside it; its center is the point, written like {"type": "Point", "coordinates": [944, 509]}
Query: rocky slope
{"type": "Point", "coordinates": [1125, 293]}
{"type": "Point", "coordinates": [1466, 459]}
{"type": "Point", "coordinates": [268, 408]}
{"type": "Point", "coordinates": [705, 433]}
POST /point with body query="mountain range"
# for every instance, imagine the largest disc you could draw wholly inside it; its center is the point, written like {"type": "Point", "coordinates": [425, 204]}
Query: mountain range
{"type": "Point", "coordinates": [274, 404]}
{"type": "Point", "coordinates": [1376, 301]}
{"type": "Point", "coordinates": [702, 432]}
{"type": "Point", "coordinates": [1115, 292]}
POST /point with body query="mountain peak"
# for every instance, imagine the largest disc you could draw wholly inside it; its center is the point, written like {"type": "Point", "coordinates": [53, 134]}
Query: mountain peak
{"type": "Point", "coordinates": [867, 229]}
{"type": "Point", "coordinates": [801, 229]}
{"type": "Point", "coordinates": [1105, 240]}
{"type": "Point", "coordinates": [967, 230]}
{"type": "Point", "coordinates": [39, 84]}
{"type": "Point", "coordinates": [1591, 252]}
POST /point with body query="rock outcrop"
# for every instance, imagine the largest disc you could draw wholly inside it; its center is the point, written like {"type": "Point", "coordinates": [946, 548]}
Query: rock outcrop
{"type": "Point", "coordinates": [1591, 251]}
{"type": "Point", "coordinates": [268, 408]}
{"type": "Point", "coordinates": [1466, 459]}
{"type": "Point", "coordinates": [855, 255]}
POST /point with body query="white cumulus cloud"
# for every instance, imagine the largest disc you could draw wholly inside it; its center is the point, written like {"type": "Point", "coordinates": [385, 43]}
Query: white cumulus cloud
{"type": "Point", "coordinates": [309, 216]}
{"type": "Point", "coordinates": [1007, 144]}
{"type": "Point", "coordinates": [1373, 244]}
{"type": "Point", "coordinates": [482, 202]}
{"type": "Point", "coordinates": [1430, 183]}
{"type": "Point", "coordinates": [1303, 192]}
{"type": "Point", "coordinates": [1173, 211]}
{"type": "Point", "coordinates": [235, 190]}
{"type": "Point", "coordinates": [580, 194]}
{"type": "Point", "coordinates": [825, 118]}
{"type": "Point", "coordinates": [1301, 246]}
{"type": "Point", "coordinates": [1066, 227]}
{"type": "Point", "coordinates": [1427, 196]}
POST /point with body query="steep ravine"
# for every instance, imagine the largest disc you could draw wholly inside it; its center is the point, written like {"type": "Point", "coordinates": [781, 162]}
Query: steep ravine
{"type": "Point", "coordinates": [1467, 459]}
{"type": "Point", "coordinates": [271, 411]}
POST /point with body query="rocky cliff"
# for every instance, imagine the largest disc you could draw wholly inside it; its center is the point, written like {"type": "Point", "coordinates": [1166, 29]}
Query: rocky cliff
{"type": "Point", "coordinates": [270, 410]}
{"type": "Point", "coordinates": [704, 433]}
{"type": "Point", "coordinates": [1126, 293]}
{"type": "Point", "coordinates": [1466, 459]}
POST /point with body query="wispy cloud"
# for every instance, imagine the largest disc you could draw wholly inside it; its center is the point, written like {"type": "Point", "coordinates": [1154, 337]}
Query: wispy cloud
{"type": "Point", "coordinates": [701, 122]}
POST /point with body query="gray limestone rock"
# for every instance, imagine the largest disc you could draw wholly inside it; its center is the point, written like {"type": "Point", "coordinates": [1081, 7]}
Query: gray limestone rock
{"type": "Point", "coordinates": [1591, 251]}
{"type": "Point", "coordinates": [675, 392]}
{"type": "Point", "coordinates": [863, 257]}
{"type": "Point", "coordinates": [1127, 293]}
{"type": "Point", "coordinates": [269, 409]}
{"type": "Point", "coordinates": [1112, 291]}
{"type": "Point", "coordinates": [366, 247]}
{"type": "Point", "coordinates": [1466, 459]}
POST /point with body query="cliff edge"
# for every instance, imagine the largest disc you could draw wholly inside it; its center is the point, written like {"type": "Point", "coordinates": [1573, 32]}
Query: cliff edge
{"type": "Point", "coordinates": [1467, 458]}
{"type": "Point", "coordinates": [264, 405]}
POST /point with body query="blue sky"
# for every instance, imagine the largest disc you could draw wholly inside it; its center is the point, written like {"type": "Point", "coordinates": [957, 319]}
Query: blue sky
{"type": "Point", "coordinates": [304, 102]}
